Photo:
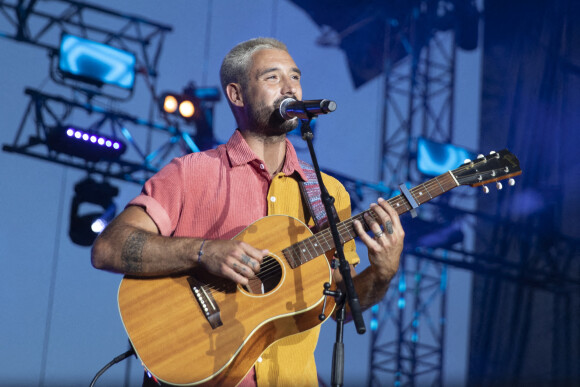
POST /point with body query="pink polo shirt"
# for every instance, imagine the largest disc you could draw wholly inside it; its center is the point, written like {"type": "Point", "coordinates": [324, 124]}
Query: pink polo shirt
{"type": "Point", "coordinates": [213, 194]}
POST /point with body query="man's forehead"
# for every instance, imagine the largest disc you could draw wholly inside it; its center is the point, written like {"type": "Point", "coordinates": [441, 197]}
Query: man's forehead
{"type": "Point", "coordinates": [271, 58]}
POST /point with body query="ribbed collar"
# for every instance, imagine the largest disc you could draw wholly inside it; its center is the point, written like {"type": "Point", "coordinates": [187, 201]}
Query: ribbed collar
{"type": "Point", "coordinates": [240, 153]}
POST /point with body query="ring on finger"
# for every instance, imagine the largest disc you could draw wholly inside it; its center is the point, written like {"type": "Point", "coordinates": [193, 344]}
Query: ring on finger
{"type": "Point", "coordinates": [389, 227]}
{"type": "Point", "coordinates": [379, 234]}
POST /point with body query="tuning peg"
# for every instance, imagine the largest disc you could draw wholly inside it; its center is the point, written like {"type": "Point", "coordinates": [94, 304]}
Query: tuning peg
{"type": "Point", "coordinates": [492, 152]}
{"type": "Point", "coordinates": [495, 154]}
{"type": "Point", "coordinates": [466, 161]}
{"type": "Point", "coordinates": [480, 156]}
{"type": "Point", "coordinates": [485, 189]}
{"type": "Point", "coordinates": [511, 182]}
{"type": "Point", "coordinates": [498, 185]}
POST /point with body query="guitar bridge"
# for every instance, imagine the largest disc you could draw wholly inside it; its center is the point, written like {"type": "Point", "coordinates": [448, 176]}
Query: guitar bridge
{"type": "Point", "coordinates": [206, 302]}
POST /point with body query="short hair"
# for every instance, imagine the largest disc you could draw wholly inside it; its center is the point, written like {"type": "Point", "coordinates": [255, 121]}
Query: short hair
{"type": "Point", "coordinates": [236, 63]}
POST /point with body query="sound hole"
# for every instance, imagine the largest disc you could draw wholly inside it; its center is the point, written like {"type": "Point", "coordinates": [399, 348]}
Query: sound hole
{"type": "Point", "coordinates": [267, 279]}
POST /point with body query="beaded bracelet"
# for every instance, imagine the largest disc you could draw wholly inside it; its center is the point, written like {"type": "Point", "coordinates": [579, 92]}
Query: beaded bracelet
{"type": "Point", "coordinates": [200, 252]}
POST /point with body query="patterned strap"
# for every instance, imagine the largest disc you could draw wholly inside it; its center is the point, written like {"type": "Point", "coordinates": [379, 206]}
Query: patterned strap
{"type": "Point", "coordinates": [311, 194]}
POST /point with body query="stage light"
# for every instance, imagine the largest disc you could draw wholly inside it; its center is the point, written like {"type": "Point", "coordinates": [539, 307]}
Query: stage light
{"type": "Point", "coordinates": [187, 109]}
{"type": "Point", "coordinates": [99, 224]}
{"type": "Point", "coordinates": [86, 144]}
{"type": "Point", "coordinates": [185, 106]}
{"type": "Point", "coordinates": [434, 159]}
{"type": "Point", "coordinates": [85, 226]}
{"type": "Point", "coordinates": [95, 63]}
{"type": "Point", "coordinates": [190, 103]}
{"type": "Point", "coordinates": [170, 104]}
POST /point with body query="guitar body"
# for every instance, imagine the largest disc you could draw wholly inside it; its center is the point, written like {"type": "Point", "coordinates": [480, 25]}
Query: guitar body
{"type": "Point", "coordinates": [175, 340]}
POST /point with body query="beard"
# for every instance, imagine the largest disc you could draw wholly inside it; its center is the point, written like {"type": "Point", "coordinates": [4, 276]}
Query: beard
{"type": "Point", "coordinates": [267, 120]}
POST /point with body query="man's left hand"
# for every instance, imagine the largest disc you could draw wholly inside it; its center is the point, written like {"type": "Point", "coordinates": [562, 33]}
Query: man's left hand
{"type": "Point", "coordinates": [386, 245]}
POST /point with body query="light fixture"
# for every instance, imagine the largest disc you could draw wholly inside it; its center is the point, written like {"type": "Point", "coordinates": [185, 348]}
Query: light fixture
{"type": "Point", "coordinates": [170, 104]}
{"type": "Point", "coordinates": [194, 105]}
{"type": "Point", "coordinates": [434, 159]}
{"type": "Point", "coordinates": [185, 106]}
{"type": "Point", "coordinates": [189, 104]}
{"type": "Point", "coordinates": [95, 63]}
{"type": "Point", "coordinates": [86, 144]}
{"type": "Point", "coordinates": [85, 224]}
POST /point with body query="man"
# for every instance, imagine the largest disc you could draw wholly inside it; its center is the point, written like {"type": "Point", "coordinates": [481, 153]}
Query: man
{"type": "Point", "coordinates": [187, 214]}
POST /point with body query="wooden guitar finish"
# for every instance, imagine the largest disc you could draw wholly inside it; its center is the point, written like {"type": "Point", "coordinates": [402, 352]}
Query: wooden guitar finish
{"type": "Point", "coordinates": [175, 341]}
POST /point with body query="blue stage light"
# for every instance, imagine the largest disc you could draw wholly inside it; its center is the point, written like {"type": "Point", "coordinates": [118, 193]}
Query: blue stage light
{"type": "Point", "coordinates": [96, 63]}
{"type": "Point", "coordinates": [85, 144]}
{"type": "Point", "coordinates": [104, 219]}
{"type": "Point", "coordinates": [434, 159]}
{"type": "Point", "coordinates": [86, 223]}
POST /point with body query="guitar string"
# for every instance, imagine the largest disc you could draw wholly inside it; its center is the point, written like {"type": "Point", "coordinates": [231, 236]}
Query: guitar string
{"type": "Point", "coordinates": [397, 201]}
{"type": "Point", "coordinates": [416, 192]}
{"type": "Point", "coordinates": [346, 226]}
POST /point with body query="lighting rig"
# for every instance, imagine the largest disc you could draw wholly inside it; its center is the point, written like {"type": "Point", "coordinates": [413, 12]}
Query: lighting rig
{"type": "Point", "coordinates": [194, 106]}
{"type": "Point", "coordinates": [101, 64]}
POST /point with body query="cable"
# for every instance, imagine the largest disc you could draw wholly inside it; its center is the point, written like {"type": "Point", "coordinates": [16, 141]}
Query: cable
{"type": "Point", "coordinates": [112, 363]}
{"type": "Point", "coordinates": [52, 284]}
{"type": "Point", "coordinates": [274, 18]}
{"type": "Point", "coordinates": [208, 27]}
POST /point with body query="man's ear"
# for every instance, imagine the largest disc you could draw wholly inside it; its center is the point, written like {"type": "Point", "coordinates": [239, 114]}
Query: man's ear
{"type": "Point", "coordinates": [234, 94]}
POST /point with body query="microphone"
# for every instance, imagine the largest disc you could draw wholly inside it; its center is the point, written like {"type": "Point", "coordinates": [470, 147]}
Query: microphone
{"type": "Point", "coordinates": [290, 108]}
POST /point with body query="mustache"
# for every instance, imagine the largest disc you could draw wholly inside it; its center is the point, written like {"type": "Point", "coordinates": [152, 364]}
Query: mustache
{"type": "Point", "coordinates": [278, 101]}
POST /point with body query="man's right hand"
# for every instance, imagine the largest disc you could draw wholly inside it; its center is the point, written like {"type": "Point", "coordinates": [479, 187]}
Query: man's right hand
{"type": "Point", "coordinates": [232, 259]}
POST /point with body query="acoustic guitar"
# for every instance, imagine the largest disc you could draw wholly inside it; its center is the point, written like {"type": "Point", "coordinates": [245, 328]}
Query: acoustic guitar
{"type": "Point", "coordinates": [198, 329]}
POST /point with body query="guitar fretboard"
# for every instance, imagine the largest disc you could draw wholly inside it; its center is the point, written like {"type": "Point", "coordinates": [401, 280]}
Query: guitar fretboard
{"type": "Point", "coordinates": [318, 244]}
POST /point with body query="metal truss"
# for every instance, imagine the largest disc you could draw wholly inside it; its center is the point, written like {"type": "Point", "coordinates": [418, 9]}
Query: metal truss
{"type": "Point", "coordinates": [409, 324]}
{"type": "Point", "coordinates": [47, 112]}
{"type": "Point", "coordinates": [41, 23]}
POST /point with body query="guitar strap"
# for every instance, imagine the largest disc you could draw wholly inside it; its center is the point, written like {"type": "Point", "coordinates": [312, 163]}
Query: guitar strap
{"type": "Point", "coordinates": [311, 195]}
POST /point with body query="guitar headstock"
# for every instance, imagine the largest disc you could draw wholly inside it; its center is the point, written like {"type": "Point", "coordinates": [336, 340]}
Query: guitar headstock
{"type": "Point", "coordinates": [488, 169]}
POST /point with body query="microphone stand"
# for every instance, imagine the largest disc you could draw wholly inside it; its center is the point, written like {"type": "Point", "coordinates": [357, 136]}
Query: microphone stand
{"type": "Point", "coordinates": [343, 266]}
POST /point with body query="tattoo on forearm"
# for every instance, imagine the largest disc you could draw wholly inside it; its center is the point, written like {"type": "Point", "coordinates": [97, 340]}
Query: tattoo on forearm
{"type": "Point", "coordinates": [132, 254]}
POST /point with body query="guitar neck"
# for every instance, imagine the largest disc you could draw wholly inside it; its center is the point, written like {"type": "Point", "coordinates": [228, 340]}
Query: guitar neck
{"type": "Point", "coordinates": [318, 244]}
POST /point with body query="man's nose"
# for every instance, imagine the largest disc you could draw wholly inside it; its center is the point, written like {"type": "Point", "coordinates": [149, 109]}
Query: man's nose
{"type": "Point", "coordinates": [289, 87]}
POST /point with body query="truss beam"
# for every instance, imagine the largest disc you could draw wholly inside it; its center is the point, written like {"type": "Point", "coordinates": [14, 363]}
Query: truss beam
{"type": "Point", "coordinates": [41, 23]}
{"type": "Point", "coordinates": [50, 111]}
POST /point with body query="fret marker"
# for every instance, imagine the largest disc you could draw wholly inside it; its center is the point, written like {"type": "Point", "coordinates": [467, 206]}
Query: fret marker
{"type": "Point", "coordinates": [420, 193]}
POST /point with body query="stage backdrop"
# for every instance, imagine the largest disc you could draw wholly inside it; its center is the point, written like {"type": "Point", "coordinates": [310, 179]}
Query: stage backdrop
{"type": "Point", "coordinates": [525, 325]}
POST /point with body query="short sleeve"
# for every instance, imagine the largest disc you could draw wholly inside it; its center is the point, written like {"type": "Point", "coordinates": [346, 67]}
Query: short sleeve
{"type": "Point", "coordinates": [162, 197]}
